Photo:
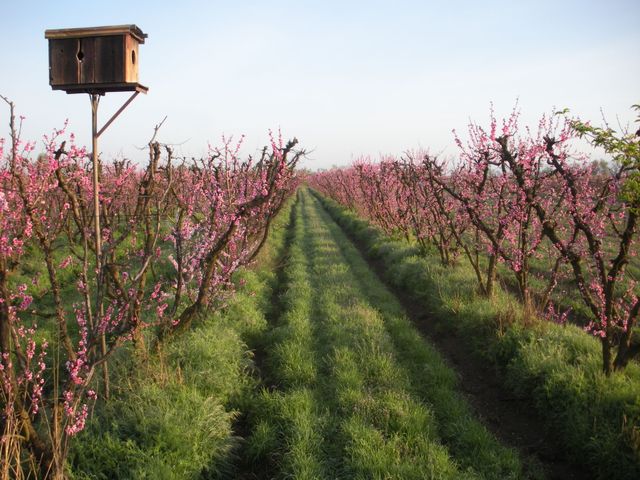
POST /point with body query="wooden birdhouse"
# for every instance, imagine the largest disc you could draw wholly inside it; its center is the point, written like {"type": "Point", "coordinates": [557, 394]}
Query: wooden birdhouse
{"type": "Point", "coordinates": [95, 60]}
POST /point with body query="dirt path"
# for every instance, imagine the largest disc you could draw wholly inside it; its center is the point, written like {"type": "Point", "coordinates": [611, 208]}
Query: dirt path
{"type": "Point", "coordinates": [510, 419]}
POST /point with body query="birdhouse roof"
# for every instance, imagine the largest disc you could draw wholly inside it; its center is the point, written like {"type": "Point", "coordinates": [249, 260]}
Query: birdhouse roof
{"type": "Point", "coordinates": [132, 30]}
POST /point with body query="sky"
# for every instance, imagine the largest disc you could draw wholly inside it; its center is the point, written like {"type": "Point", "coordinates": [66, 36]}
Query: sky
{"type": "Point", "coordinates": [346, 78]}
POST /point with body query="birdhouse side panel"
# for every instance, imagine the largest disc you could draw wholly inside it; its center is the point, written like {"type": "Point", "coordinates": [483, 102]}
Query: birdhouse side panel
{"type": "Point", "coordinates": [63, 62]}
{"type": "Point", "coordinates": [131, 59]}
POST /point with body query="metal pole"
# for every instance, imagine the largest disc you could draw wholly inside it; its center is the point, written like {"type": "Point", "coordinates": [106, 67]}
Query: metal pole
{"type": "Point", "coordinates": [95, 100]}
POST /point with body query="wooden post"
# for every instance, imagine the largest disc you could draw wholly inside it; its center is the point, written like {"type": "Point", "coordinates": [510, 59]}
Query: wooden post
{"type": "Point", "coordinates": [95, 100]}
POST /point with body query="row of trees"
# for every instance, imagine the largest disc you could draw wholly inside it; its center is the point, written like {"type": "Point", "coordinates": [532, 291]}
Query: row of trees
{"type": "Point", "coordinates": [173, 233]}
{"type": "Point", "coordinates": [520, 198]}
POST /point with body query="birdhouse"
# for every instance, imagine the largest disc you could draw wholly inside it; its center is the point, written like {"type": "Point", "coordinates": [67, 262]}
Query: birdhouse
{"type": "Point", "coordinates": [95, 60]}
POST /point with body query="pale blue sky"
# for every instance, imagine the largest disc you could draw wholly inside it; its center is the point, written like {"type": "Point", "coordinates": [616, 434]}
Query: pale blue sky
{"type": "Point", "coordinates": [346, 78]}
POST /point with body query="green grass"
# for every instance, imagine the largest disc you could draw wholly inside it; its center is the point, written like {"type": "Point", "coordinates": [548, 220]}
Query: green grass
{"type": "Point", "coordinates": [176, 416]}
{"type": "Point", "coordinates": [342, 385]}
{"type": "Point", "coordinates": [557, 369]}
{"type": "Point", "coordinates": [355, 392]}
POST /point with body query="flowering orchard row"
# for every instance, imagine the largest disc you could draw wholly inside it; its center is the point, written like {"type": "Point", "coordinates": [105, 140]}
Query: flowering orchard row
{"type": "Point", "coordinates": [516, 197]}
{"type": "Point", "coordinates": [173, 232]}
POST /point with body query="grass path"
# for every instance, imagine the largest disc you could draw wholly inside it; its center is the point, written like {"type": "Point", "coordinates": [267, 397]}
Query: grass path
{"type": "Point", "coordinates": [355, 392]}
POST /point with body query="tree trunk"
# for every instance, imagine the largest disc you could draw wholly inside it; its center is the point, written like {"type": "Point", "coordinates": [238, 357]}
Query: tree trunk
{"type": "Point", "coordinates": [626, 352]}
{"type": "Point", "coordinates": [5, 327]}
{"type": "Point", "coordinates": [607, 358]}
{"type": "Point", "coordinates": [491, 275]}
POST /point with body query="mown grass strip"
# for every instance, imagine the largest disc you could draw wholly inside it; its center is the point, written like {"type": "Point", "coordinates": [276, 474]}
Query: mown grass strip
{"type": "Point", "coordinates": [345, 402]}
{"type": "Point", "coordinates": [288, 419]}
{"type": "Point", "coordinates": [381, 429]}
{"type": "Point", "coordinates": [555, 368]}
{"type": "Point", "coordinates": [429, 378]}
